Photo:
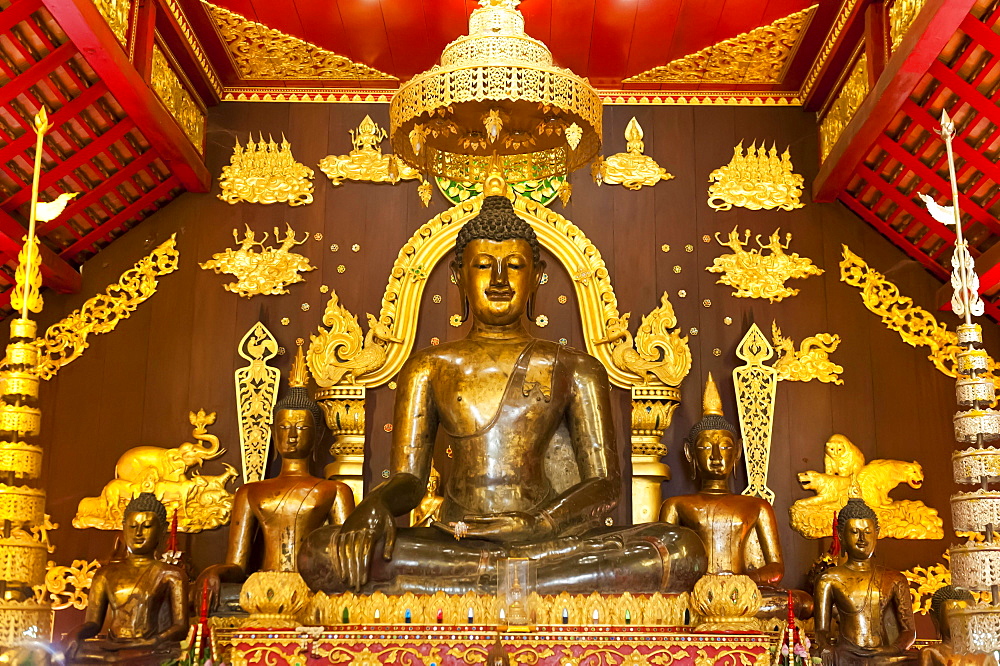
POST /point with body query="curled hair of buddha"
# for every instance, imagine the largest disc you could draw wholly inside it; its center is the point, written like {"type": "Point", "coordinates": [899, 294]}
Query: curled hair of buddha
{"type": "Point", "coordinates": [947, 593]}
{"type": "Point", "coordinates": [855, 509]}
{"type": "Point", "coordinates": [712, 418]}
{"type": "Point", "coordinates": [147, 502]}
{"type": "Point", "coordinates": [297, 398]}
{"type": "Point", "coordinates": [498, 222]}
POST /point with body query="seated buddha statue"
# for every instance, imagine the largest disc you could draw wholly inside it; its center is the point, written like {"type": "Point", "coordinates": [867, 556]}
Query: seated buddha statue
{"type": "Point", "coordinates": [943, 603]}
{"type": "Point", "coordinates": [725, 521]}
{"type": "Point", "coordinates": [872, 604]}
{"type": "Point", "coordinates": [135, 597]}
{"type": "Point", "coordinates": [285, 508]}
{"type": "Point", "coordinates": [535, 467]}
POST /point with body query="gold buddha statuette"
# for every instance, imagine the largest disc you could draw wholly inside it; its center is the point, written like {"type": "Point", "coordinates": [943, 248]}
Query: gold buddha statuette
{"type": "Point", "coordinates": [872, 604]}
{"type": "Point", "coordinates": [287, 507]}
{"type": "Point", "coordinates": [535, 468]}
{"type": "Point", "coordinates": [944, 601]}
{"type": "Point", "coordinates": [725, 521]}
{"type": "Point", "coordinates": [129, 596]}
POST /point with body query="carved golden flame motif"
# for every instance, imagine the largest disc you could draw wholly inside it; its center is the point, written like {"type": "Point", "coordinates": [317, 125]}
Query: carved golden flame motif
{"type": "Point", "coordinates": [631, 169]}
{"type": "Point", "coordinates": [810, 361]}
{"type": "Point", "coordinates": [201, 502]}
{"type": "Point", "coordinates": [28, 286]}
{"type": "Point", "coordinates": [266, 173]}
{"type": "Point", "coordinates": [756, 385]}
{"type": "Point", "coordinates": [366, 161]}
{"type": "Point", "coordinates": [844, 466]}
{"type": "Point", "coordinates": [256, 391]}
{"type": "Point", "coordinates": [266, 272]}
{"type": "Point", "coordinates": [757, 56]}
{"type": "Point", "coordinates": [754, 274]}
{"type": "Point", "coordinates": [756, 180]}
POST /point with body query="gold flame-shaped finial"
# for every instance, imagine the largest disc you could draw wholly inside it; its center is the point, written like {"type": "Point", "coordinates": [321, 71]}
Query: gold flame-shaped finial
{"type": "Point", "coordinates": [299, 374]}
{"type": "Point", "coordinates": [710, 401]}
{"type": "Point", "coordinates": [495, 184]}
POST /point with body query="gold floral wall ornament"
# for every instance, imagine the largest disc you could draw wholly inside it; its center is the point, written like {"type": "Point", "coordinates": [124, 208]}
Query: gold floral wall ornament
{"type": "Point", "coordinates": [758, 180]}
{"type": "Point", "coordinates": [754, 274]}
{"type": "Point", "coordinates": [69, 586]}
{"type": "Point", "coordinates": [201, 502]}
{"type": "Point", "coordinates": [758, 56]}
{"type": "Point", "coordinates": [916, 326]}
{"type": "Point", "coordinates": [266, 272]}
{"type": "Point", "coordinates": [266, 173]}
{"type": "Point", "coordinates": [756, 385]}
{"type": "Point", "coordinates": [366, 162]}
{"type": "Point", "coordinates": [631, 168]}
{"type": "Point", "coordinates": [64, 341]}
{"type": "Point", "coordinates": [260, 52]}
{"type": "Point", "coordinates": [810, 361]}
{"type": "Point", "coordinates": [256, 392]}
{"type": "Point", "coordinates": [844, 466]}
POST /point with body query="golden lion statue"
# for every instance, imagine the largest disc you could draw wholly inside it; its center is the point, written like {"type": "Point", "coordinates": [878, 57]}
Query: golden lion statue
{"type": "Point", "coordinates": [844, 469]}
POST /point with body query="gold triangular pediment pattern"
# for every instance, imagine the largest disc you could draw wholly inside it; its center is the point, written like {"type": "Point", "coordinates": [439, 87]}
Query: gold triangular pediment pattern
{"type": "Point", "coordinates": [758, 56]}
{"type": "Point", "coordinates": [260, 52]}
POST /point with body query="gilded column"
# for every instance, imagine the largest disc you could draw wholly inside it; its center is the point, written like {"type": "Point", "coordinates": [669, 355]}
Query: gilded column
{"type": "Point", "coordinates": [344, 407]}
{"type": "Point", "coordinates": [652, 410]}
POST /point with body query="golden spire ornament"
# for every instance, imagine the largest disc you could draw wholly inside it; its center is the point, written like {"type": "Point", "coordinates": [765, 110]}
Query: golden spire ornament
{"type": "Point", "coordinates": [711, 402]}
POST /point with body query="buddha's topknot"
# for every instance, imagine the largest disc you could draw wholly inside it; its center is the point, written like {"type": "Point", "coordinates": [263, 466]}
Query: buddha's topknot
{"type": "Point", "coordinates": [855, 509]}
{"type": "Point", "coordinates": [297, 399]}
{"type": "Point", "coordinates": [144, 502]}
{"type": "Point", "coordinates": [496, 221]}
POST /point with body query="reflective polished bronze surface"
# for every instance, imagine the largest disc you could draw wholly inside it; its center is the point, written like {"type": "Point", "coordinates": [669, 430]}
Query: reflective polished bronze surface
{"type": "Point", "coordinates": [943, 603]}
{"type": "Point", "coordinates": [535, 469]}
{"type": "Point", "coordinates": [726, 521]}
{"type": "Point", "coordinates": [129, 596]}
{"type": "Point", "coordinates": [872, 603]}
{"type": "Point", "coordinates": [287, 507]}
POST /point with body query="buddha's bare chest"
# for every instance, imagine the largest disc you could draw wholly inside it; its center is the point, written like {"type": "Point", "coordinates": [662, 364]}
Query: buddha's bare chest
{"type": "Point", "coordinates": [862, 593]}
{"type": "Point", "coordinates": [277, 507]}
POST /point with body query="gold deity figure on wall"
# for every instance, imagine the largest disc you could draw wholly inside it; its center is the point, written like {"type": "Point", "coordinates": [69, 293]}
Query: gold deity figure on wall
{"type": "Point", "coordinates": [725, 521]}
{"type": "Point", "coordinates": [535, 469]}
{"type": "Point", "coordinates": [132, 596]}
{"type": "Point", "coordinates": [872, 604]}
{"type": "Point", "coordinates": [287, 507]}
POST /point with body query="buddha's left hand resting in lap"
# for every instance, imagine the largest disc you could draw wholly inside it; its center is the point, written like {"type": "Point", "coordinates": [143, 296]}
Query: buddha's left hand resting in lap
{"type": "Point", "coordinates": [535, 470]}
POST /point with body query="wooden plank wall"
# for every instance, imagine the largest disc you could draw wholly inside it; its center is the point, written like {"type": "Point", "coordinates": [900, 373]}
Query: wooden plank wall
{"type": "Point", "coordinates": [178, 351]}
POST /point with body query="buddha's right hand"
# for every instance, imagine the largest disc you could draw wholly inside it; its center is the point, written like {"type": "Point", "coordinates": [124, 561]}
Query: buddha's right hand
{"type": "Point", "coordinates": [351, 548]}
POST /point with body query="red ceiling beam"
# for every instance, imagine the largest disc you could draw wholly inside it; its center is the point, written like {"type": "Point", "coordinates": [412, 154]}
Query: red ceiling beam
{"type": "Point", "coordinates": [17, 12]}
{"type": "Point", "coordinates": [56, 272]}
{"type": "Point", "coordinates": [62, 116]}
{"type": "Point", "coordinates": [39, 70]}
{"type": "Point", "coordinates": [85, 26]}
{"type": "Point", "coordinates": [928, 34]}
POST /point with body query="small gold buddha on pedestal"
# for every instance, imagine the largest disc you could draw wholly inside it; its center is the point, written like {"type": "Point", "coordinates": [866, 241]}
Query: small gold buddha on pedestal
{"type": "Point", "coordinates": [133, 596]}
{"type": "Point", "coordinates": [944, 601]}
{"type": "Point", "coordinates": [872, 604]}
{"type": "Point", "coordinates": [285, 508]}
{"type": "Point", "coordinates": [726, 521]}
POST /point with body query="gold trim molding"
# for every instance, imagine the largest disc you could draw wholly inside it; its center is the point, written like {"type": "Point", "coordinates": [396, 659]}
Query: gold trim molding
{"type": "Point", "coordinates": [260, 52]}
{"type": "Point", "coordinates": [175, 97]}
{"type": "Point", "coordinates": [846, 104]}
{"type": "Point", "coordinates": [758, 56]}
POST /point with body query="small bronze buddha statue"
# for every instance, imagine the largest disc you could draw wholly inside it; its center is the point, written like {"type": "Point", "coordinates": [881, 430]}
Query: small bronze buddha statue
{"type": "Point", "coordinates": [872, 604]}
{"type": "Point", "coordinates": [133, 596]}
{"type": "Point", "coordinates": [287, 507]}
{"type": "Point", "coordinates": [944, 601]}
{"type": "Point", "coordinates": [535, 469]}
{"type": "Point", "coordinates": [725, 521]}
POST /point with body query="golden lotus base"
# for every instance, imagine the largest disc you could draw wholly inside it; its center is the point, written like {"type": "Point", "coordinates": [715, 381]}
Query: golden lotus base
{"type": "Point", "coordinates": [458, 645]}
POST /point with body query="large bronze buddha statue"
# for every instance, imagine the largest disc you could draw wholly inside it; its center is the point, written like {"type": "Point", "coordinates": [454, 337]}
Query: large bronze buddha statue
{"type": "Point", "coordinates": [285, 508]}
{"type": "Point", "coordinates": [535, 470]}
{"type": "Point", "coordinates": [727, 522]}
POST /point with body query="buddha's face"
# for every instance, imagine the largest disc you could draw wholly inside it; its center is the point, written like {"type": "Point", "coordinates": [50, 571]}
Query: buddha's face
{"type": "Point", "coordinates": [715, 454]}
{"type": "Point", "coordinates": [858, 538]}
{"type": "Point", "coordinates": [142, 532]}
{"type": "Point", "coordinates": [293, 432]}
{"type": "Point", "coordinates": [498, 277]}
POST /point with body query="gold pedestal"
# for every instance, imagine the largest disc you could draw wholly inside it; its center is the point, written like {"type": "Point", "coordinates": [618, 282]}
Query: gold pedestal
{"type": "Point", "coordinates": [726, 602]}
{"type": "Point", "coordinates": [274, 599]}
{"type": "Point", "coordinates": [344, 408]}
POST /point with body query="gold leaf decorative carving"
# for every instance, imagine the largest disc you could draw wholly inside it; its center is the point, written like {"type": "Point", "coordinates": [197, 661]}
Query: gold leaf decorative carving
{"type": "Point", "coordinates": [846, 104]}
{"type": "Point", "coordinates": [260, 52]}
{"type": "Point", "coordinates": [266, 173]}
{"type": "Point", "coordinates": [116, 13]}
{"type": "Point", "coordinates": [810, 361]}
{"type": "Point", "coordinates": [756, 275]}
{"type": "Point", "coordinates": [901, 15]}
{"type": "Point", "coordinates": [167, 85]}
{"type": "Point", "coordinates": [28, 287]}
{"type": "Point", "coordinates": [756, 385]}
{"type": "Point", "coordinates": [758, 56]}
{"type": "Point", "coordinates": [266, 272]}
{"type": "Point", "coordinates": [915, 325]}
{"type": "Point", "coordinates": [757, 180]}
{"type": "Point", "coordinates": [69, 586]}
{"type": "Point", "coordinates": [366, 161]}
{"type": "Point", "coordinates": [66, 340]}
{"type": "Point", "coordinates": [200, 502]}
{"type": "Point", "coordinates": [256, 391]}
{"type": "Point", "coordinates": [631, 169]}
{"type": "Point", "coordinates": [844, 467]}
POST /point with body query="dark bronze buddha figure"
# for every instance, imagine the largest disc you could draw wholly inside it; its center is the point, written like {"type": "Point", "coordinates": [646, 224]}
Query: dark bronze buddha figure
{"type": "Point", "coordinates": [535, 469]}
{"type": "Point", "coordinates": [944, 601]}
